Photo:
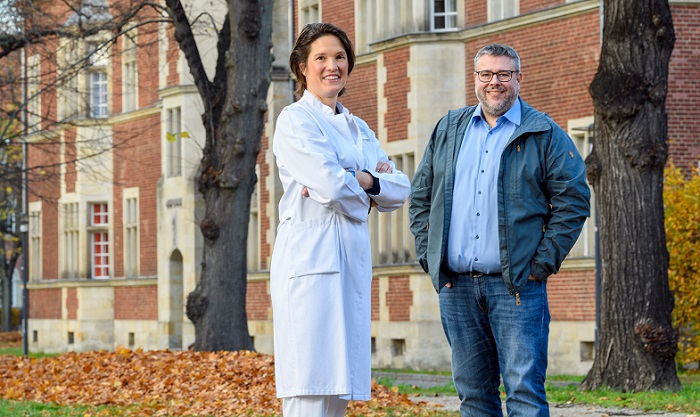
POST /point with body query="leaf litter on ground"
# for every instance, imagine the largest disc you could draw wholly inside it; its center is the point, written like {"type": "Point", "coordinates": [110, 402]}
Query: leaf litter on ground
{"type": "Point", "coordinates": [171, 383]}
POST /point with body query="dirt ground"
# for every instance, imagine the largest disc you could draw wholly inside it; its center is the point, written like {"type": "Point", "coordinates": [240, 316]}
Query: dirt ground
{"type": "Point", "coordinates": [451, 403]}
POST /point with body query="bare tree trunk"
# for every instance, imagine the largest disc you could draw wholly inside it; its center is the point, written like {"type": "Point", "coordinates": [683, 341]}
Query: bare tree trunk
{"type": "Point", "coordinates": [6, 281]}
{"type": "Point", "coordinates": [235, 106]}
{"type": "Point", "coordinates": [637, 342]}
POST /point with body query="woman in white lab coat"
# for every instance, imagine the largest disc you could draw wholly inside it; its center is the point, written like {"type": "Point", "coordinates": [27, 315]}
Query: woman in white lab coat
{"type": "Point", "coordinates": [333, 171]}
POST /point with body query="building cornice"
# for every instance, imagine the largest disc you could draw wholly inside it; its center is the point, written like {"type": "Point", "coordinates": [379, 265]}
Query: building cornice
{"type": "Point", "coordinates": [177, 90]}
{"type": "Point", "coordinates": [135, 115]}
{"type": "Point", "coordinates": [464, 35]}
{"type": "Point", "coordinates": [84, 283]}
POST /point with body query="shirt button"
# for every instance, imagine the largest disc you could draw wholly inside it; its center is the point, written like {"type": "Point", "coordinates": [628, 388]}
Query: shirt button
{"type": "Point", "coordinates": [478, 214]}
{"type": "Point", "coordinates": [477, 236]}
{"type": "Point", "coordinates": [476, 259]}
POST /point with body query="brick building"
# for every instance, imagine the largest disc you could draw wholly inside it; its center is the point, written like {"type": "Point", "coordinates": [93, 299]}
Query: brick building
{"type": "Point", "coordinates": [114, 242]}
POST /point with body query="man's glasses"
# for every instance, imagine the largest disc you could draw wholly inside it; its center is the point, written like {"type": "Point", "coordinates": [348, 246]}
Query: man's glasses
{"type": "Point", "coordinates": [502, 76]}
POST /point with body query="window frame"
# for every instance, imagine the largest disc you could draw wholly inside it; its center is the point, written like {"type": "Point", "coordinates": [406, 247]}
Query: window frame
{"type": "Point", "coordinates": [131, 233]}
{"type": "Point", "coordinates": [451, 13]}
{"type": "Point", "coordinates": [129, 73]}
{"type": "Point", "coordinates": [502, 12]}
{"type": "Point", "coordinates": [173, 153]}
{"type": "Point", "coordinates": [101, 269]}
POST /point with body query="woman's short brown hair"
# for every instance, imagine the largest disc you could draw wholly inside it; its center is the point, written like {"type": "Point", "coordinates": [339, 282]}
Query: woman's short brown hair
{"type": "Point", "coordinates": [302, 48]}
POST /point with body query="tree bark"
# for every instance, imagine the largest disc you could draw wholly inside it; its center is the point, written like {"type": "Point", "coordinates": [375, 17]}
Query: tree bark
{"type": "Point", "coordinates": [234, 115]}
{"type": "Point", "coordinates": [636, 339]}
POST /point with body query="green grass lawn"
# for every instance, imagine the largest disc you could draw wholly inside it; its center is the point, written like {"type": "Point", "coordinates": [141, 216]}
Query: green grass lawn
{"type": "Point", "coordinates": [687, 400]}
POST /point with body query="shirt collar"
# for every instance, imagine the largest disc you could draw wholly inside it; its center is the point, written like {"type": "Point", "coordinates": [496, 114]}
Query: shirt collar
{"type": "Point", "coordinates": [513, 115]}
{"type": "Point", "coordinates": [315, 103]}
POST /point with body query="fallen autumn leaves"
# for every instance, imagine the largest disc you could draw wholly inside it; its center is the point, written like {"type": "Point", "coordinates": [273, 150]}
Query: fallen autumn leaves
{"type": "Point", "coordinates": [168, 383]}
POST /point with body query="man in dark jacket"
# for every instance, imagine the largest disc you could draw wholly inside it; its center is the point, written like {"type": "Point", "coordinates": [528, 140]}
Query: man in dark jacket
{"type": "Point", "coordinates": [497, 202]}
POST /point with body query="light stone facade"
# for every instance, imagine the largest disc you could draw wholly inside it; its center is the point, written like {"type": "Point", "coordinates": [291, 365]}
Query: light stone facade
{"type": "Point", "coordinates": [406, 327]}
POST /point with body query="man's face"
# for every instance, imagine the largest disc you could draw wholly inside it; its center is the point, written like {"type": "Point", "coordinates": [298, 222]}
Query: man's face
{"type": "Point", "coordinates": [496, 97]}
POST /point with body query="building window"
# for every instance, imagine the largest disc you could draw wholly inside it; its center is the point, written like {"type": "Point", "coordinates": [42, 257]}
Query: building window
{"type": "Point", "coordinates": [174, 143]}
{"type": "Point", "coordinates": [131, 237]}
{"type": "Point", "coordinates": [309, 12]}
{"type": "Point", "coordinates": [33, 94]}
{"type": "Point", "coordinates": [253, 243]}
{"type": "Point", "coordinates": [71, 240]}
{"type": "Point", "coordinates": [443, 15]}
{"type": "Point", "coordinates": [99, 240]}
{"type": "Point", "coordinates": [68, 91]}
{"type": "Point", "coordinates": [130, 72]}
{"type": "Point", "coordinates": [502, 9]}
{"type": "Point", "coordinates": [389, 232]}
{"type": "Point", "coordinates": [35, 245]}
{"type": "Point", "coordinates": [97, 80]}
{"type": "Point", "coordinates": [581, 131]}
{"type": "Point", "coordinates": [365, 25]}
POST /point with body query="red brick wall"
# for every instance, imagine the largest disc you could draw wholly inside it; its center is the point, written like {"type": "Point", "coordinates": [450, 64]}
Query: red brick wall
{"type": "Point", "coordinates": [361, 94]}
{"type": "Point", "coordinates": [341, 14]}
{"type": "Point", "coordinates": [44, 183]}
{"type": "Point", "coordinates": [399, 299]}
{"type": "Point", "coordinates": [137, 163]}
{"type": "Point", "coordinates": [71, 175]}
{"type": "Point", "coordinates": [136, 303]}
{"type": "Point", "coordinates": [572, 296]}
{"type": "Point", "coordinates": [476, 12]}
{"type": "Point", "coordinates": [683, 100]}
{"type": "Point", "coordinates": [529, 6]}
{"type": "Point", "coordinates": [257, 301]}
{"type": "Point", "coordinates": [555, 75]}
{"type": "Point", "coordinates": [45, 304]}
{"type": "Point", "coordinates": [375, 299]}
{"type": "Point", "coordinates": [396, 91]}
{"type": "Point", "coordinates": [72, 303]}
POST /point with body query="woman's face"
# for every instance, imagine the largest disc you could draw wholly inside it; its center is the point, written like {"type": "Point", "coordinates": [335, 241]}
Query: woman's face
{"type": "Point", "coordinates": [326, 70]}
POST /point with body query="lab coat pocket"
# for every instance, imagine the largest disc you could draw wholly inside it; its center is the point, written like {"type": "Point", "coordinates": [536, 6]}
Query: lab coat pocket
{"type": "Point", "coordinates": [315, 247]}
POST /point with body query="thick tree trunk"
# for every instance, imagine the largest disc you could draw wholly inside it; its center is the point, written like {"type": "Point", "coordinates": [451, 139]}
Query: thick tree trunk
{"type": "Point", "coordinates": [636, 339]}
{"type": "Point", "coordinates": [234, 125]}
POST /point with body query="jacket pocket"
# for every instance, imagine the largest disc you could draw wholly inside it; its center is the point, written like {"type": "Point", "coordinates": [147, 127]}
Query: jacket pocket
{"type": "Point", "coordinates": [314, 247]}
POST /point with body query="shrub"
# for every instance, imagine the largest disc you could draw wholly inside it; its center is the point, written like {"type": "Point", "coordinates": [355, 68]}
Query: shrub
{"type": "Point", "coordinates": [682, 218]}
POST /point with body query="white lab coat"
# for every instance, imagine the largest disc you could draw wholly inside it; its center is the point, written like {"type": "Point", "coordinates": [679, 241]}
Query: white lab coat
{"type": "Point", "coordinates": [321, 270]}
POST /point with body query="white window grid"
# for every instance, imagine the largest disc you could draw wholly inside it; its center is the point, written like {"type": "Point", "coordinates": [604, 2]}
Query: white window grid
{"type": "Point", "coordinates": [99, 240]}
{"type": "Point", "coordinates": [443, 15]}
{"type": "Point", "coordinates": [98, 94]}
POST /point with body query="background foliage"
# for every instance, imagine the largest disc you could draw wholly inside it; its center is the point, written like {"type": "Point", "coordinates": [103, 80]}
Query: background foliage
{"type": "Point", "coordinates": [682, 211]}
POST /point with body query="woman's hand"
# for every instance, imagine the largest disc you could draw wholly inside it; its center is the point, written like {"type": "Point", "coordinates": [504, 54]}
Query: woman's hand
{"type": "Point", "coordinates": [383, 166]}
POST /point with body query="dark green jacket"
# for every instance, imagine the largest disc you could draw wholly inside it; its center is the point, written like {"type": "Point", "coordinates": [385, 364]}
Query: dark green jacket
{"type": "Point", "coordinates": [543, 198]}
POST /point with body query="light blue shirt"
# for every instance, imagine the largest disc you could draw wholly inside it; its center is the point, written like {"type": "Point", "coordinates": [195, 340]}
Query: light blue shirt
{"type": "Point", "coordinates": [473, 237]}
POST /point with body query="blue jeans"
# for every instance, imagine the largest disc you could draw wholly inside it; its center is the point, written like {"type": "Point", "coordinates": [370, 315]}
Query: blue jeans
{"type": "Point", "coordinates": [491, 337]}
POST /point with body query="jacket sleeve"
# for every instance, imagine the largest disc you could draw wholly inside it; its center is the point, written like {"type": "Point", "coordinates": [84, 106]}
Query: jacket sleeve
{"type": "Point", "coordinates": [394, 186]}
{"type": "Point", "coordinates": [569, 197]}
{"type": "Point", "coordinates": [421, 196]}
{"type": "Point", "coordinates": [311, 161]}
